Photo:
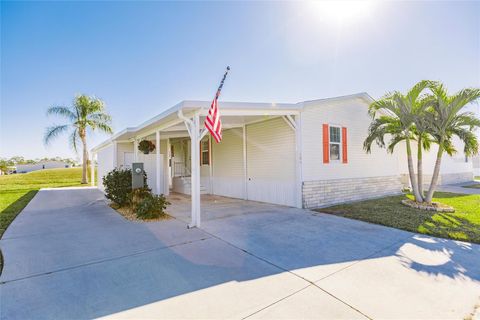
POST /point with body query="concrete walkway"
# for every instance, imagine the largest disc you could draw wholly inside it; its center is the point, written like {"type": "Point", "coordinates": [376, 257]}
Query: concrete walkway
{"type": "Point", "coordinates": [69, 256]}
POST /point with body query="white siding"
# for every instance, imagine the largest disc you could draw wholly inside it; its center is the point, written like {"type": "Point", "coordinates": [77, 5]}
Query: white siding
{"type": "Point", "coordinates": [228, 176]}
{"type": "Point", "coordinates": [122, 148]}
{"type": "Point", "coordinates": [353, 115]}
{"type": "Point", "coordinates": [271, 162]}
{"type": "Point", "coordinates": [150, 167]}
{"type": "Point", "coordinates": [105, 164]}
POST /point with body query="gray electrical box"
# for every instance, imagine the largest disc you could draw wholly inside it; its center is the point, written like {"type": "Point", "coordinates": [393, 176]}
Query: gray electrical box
{"type": "Point", "coordinates": [137, 175]}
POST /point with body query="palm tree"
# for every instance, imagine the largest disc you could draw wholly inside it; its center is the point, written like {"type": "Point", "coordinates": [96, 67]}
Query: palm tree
{"type": "Point", "coordinates": [397, 120]}
{"type": "Point", "coordinates": [449, 119]}
{"type": "Point", "coordinates": [85, 113]}
{"type": "Point", "coordinates": [422, 136]}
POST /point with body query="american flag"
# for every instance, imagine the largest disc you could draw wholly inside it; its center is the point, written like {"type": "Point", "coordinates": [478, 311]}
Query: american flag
{"type": "Point", "coordinates": [213, 122]}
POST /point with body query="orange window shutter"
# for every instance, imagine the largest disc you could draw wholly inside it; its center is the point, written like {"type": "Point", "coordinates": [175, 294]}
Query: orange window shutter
{"type": "Point", "coordinates": [344, 145]}
{"type": "Point", "coordinates": [326, 157]}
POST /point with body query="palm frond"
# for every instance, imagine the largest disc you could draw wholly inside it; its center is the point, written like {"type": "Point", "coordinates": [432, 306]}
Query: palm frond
{"type": "Point", "coordinates": [53, 131]}
{"type": "Point", "coordinates": [62, 111]}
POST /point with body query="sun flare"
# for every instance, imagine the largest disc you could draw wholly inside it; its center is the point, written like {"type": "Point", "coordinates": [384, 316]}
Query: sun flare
{"type": "Point", "coordinates": [342, 11]}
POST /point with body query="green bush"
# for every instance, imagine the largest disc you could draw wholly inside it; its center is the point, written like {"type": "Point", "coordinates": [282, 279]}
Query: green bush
{"type": "Point", "coordinates": [136, 196]}
{"type": "Point", "coordinates": [118, 185]}
{"type": "Point", "coordinates": [147, 205]}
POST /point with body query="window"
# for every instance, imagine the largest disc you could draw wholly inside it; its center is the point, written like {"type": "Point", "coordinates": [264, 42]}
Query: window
{"type": "Point", "coordinates": [205, 152]}
{"type": "Point", "coordinates": [335, 140]}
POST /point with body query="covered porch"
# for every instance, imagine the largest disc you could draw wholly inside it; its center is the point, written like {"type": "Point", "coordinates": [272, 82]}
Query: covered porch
{"type": "Point", "coordinates": [258, 158]}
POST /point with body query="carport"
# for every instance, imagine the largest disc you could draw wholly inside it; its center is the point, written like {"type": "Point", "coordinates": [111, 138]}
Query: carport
{"type": "Point", "coordinates": [261, 145]}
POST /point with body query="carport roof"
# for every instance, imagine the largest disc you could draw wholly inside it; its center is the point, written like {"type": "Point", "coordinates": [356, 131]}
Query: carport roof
{"type": "Point", "coordinates": [188, 107]}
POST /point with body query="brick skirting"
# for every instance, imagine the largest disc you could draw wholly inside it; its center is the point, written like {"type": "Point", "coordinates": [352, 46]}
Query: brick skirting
{"type": "Point", "coordinates": [323, 193]}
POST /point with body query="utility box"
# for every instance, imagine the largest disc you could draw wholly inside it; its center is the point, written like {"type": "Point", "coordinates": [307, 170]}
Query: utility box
{"type": "Point", "coordinates": [137, 175]}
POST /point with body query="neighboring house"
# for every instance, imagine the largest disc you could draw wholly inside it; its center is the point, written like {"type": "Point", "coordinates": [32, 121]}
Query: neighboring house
{"type": "Point", "coordinates": [476, 165]}
{"type": "Point", "coordinates": [455, 169]}
{"type": "Point", "coordinates": [308, 154]}
{"type": "Point", "coordinates": [24, 168]}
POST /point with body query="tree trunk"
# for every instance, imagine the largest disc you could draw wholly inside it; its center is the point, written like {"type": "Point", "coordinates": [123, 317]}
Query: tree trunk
{"type": "Point", "coordinates": [436, 172]}
{"type": "Point", "coordinates": [85, 160]}
{"type": "Point", "coordinates": [420, 168]}
{"type": "Point", "coordinates": [411, 172]}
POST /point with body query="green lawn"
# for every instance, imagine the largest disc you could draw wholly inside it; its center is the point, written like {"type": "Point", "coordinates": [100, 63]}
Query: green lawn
{"type": "Point", "coordinates": [473, 186]}
{"type": "Point", "coordinates": [464, 224]}
{"type": "Point", "coordinates": [17, 190]}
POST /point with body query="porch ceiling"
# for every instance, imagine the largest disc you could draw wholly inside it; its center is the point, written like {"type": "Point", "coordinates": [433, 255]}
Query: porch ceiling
{"type": "Point", "coordinates": [228, 122]}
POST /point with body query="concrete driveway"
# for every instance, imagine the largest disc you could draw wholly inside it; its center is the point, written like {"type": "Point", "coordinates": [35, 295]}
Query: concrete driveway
{"type": "Point", "coordinates": [69, 256]}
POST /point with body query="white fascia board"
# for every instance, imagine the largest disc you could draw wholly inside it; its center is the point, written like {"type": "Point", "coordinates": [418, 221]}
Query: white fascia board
{"type": "Point", "coordinates": [362, 95]}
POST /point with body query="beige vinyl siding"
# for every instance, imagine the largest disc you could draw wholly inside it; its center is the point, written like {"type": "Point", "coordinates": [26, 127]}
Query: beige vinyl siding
{"type": "Point", "coordinates": [227, 156]}
{"type": "Point", "coordinates": [271, 162]}
{"type": "Point", "coordinates": [123, 148]}
{"type": "Point", "coordinates": [353, 115]}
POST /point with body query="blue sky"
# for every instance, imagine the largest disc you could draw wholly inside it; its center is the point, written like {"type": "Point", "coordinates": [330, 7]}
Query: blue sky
{"type": "Point", "coordinates": [143, 57]}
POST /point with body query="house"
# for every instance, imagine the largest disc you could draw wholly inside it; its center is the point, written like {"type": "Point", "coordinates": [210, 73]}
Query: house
{"type": "Point", "coordinates": [476, 165]}
{"type": "Point", "coordinates": [308, 154]}
{"type": "Point", "coordinates": [24, 168]}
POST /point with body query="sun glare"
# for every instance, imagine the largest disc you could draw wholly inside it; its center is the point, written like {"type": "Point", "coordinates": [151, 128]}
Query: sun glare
{"type": "Point", "coordinates": [342, 11]}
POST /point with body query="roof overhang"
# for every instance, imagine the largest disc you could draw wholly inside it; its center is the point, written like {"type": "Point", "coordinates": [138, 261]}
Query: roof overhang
{"type": "Point", "coordinates": [234, 114]}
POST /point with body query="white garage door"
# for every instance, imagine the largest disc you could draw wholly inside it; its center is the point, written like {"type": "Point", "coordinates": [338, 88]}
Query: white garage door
{"type": "Point", "coordinates": [271, 162]}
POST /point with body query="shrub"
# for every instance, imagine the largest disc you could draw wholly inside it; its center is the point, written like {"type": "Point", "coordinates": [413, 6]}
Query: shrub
{"type": "Point", "coordinates": [118, 185]}
{"type": "Point", "coordinates": [151, 206]}
{"type": "Point", "coordinates": [136, 196]}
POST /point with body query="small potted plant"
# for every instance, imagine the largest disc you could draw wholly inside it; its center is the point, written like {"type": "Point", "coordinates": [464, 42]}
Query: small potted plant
{"type": "Point", "coordinates": [146, 146]}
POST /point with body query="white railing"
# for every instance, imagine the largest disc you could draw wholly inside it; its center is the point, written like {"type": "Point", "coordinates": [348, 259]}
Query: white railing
{"type": "Point", "coordinates": [181, 170]}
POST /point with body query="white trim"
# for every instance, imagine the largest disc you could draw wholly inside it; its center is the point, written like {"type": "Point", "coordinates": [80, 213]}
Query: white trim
{"type": "Point", "coordinates": [245, 177]}
{"type": "Point", "coordinates": [255, 112]}
{"type": "Point", "coordinates": [298, 161]}
{"type": "Point", "coordinates": [135, 150]}
{"type": "Point", "coordinates": [92, 169]}
{"type": "Point", "coordinates": [288, 120]}
{"type": "Point", "coordinates": [339, 160]}
{"type": "Point", "coordinates": [115, 154]}
{"type": "Point", "coordinates": [157, 162]}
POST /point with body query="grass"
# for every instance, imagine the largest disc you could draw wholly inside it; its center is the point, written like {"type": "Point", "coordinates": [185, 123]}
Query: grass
{"type": "Point", "coordinates": [463, 225]}
{"type": "Point", "coordinates": [473, 186]}
{"type": "Point", "coordinates": [17, 190]}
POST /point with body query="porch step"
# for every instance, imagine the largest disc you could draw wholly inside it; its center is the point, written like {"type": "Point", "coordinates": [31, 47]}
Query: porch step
{"type": "Point", "coordinates": [184, 185]}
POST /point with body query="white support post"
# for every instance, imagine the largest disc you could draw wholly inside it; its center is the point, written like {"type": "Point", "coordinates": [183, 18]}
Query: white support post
{"type": "Point", "coordinates": [195, 169]}
{"type": "Point", "coordinates": [210, 165]}
{"type": "Point", "coordinates": [92, 169]}
{"type": "Point", "coordinates": [135, 150]}
{"type": "Point", "coordinates": [157, 154]}
{"type": "Point", "coordinates": [245, 178]}
{"type": "Point", "coordinates": [298, 161]}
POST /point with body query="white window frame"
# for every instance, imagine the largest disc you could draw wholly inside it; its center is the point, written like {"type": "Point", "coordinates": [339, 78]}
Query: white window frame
{"type": "Point", "coordinates": [340, 151]}
{"type": "Point", "coordinates": [203, 150]}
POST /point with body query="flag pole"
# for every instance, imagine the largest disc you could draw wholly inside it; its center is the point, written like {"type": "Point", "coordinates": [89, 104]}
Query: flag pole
{"type": "Point", "coordinates": [217, 94]}
{"type": "Point", "coordinates": [221, 82]}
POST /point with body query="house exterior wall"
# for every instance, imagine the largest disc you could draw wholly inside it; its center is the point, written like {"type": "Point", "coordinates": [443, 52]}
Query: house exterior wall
{"type": "Point", "coordinates": [227, 162]}
{"type": "Point", "coordinates": [271, 162]}
{"type": "Point", "coordinates": [363, 176]}
{"type": "Point", "coordinates": [454, 169]}
{"type": "Point", "coordinates": [476, 165]}
{"type": "Point", "coordinates": [105, 164]}
{"type": "Point", "coordinates": [122, 148]}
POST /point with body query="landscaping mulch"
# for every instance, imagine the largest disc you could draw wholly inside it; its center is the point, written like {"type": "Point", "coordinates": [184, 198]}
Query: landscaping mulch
{"type": "Point", "coordinates": [128, 214]}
